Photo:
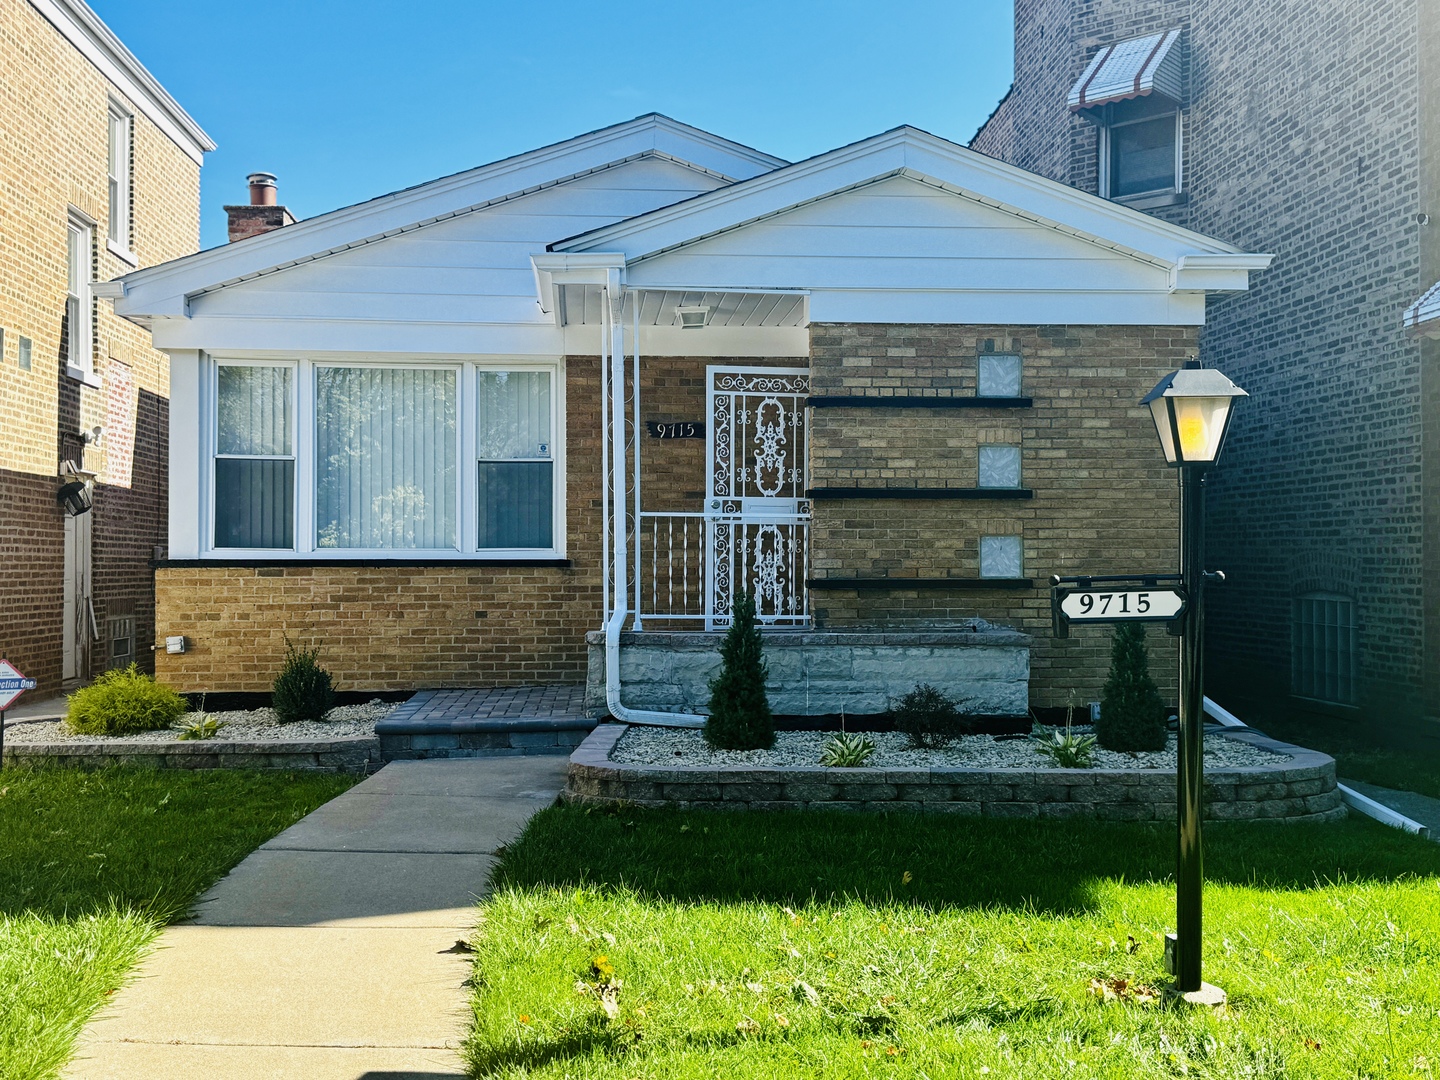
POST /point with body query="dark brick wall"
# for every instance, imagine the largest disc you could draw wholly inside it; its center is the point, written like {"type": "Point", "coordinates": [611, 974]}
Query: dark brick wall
{"type": "Point", "coordinates": [1303, 138]}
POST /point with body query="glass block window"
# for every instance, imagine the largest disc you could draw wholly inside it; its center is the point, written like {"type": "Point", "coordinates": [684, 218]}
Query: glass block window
{"type": "Point", "coordinates": [122, 640]}
{"type": "Point", "coordinates": [385, 458]}
{"type": "Point", "coordinates": [1323, 646]}
{"type": "Point", "coordinates": [998, 376]}
{"type": "Point", "coordinates": [254, 457]}
{"type": "Point", "coordinates": [1001, 557]}
{"type": "Point", "coordinates": [999, 466]}
{"type": "Point", "coordinates": [516, 466]}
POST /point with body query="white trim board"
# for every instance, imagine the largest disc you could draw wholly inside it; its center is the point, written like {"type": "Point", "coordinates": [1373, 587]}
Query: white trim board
{"type": "Point", "coordinates": [97, 43]}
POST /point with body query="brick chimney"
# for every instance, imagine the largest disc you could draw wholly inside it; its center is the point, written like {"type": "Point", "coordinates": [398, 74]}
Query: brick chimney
{"type": "Point", "coordinates": [262, 215]}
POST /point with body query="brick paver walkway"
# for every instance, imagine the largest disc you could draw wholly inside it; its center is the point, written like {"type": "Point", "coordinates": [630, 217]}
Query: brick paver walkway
{"type": "Point", "coordinates": [557, 701]}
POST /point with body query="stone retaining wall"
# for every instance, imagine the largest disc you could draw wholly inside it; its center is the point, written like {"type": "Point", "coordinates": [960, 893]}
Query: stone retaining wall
{"type": "Point", "coordinates": [348, 754]}
{"type": "Point", "coordinates": [820, 673]}
{"type": "Point", "coordinates": [1300, 788]}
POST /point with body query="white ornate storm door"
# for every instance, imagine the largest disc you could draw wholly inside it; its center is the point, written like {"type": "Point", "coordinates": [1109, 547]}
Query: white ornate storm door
{"type": "Point", "coordinates": [757, 518]}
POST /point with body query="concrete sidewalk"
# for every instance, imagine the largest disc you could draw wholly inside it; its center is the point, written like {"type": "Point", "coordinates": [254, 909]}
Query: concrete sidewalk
{"type": "Point", "coordinates": [325, 955]}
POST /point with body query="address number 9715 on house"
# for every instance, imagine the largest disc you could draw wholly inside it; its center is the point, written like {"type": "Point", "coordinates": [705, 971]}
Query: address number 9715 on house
{"type": "Point", "coordinates": [1101, 605]}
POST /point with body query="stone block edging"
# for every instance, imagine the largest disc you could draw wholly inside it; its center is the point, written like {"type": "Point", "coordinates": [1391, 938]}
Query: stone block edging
{"type": "Point", "coordinates": [345, 754]}
{"type": "Point", "coordinates": [1299, 789]}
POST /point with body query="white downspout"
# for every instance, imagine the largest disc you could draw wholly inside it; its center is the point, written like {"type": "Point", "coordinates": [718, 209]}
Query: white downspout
{"type": "Point", "coordinates": [614, 327]}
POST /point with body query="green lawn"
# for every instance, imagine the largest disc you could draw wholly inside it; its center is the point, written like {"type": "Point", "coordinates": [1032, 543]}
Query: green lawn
{"type": "Point", "coordinates": [666, 944]}
{"type": "Point", "coordinates": [92, 864]}
{"type": "Point", "coordinates": [1384, 750]}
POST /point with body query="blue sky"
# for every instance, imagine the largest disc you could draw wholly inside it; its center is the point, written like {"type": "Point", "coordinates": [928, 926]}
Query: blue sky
{"type": "Point", "coordinates": [347, 100]}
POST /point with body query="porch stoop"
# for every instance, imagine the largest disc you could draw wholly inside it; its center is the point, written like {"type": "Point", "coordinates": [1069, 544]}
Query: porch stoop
{"type": "Point", "coordinates": [486, 722]}
{"type": "Point", "coordinates": [825, 672]}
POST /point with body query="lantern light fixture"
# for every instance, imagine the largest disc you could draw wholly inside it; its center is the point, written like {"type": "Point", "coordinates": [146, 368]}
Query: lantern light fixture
{"type": "Point", "coordinates": [1191, 408]}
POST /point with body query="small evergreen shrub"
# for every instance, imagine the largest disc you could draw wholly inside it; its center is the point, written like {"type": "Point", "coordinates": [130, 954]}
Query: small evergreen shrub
{"type": "Point", "coordinates": [302, 690]}
{"type": "Point", "coordinates": [1132, 713]}
{"type": "Point", "coordinates": [123, 702]}
{"type": "Point", "coordinates": [928, 718]}
{"type": "Point", "coordinates": [740, 717]}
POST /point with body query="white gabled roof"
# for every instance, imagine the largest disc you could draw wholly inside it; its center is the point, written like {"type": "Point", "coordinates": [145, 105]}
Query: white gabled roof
{"type": "Point", "coordinates": [1194, 261]}
{"type": "Point", "coordinates": [1423, 316]}
{"type": "Point", "coordinates": [164, 290]}
{"type": "Point", "coordinates": [1130, 69]}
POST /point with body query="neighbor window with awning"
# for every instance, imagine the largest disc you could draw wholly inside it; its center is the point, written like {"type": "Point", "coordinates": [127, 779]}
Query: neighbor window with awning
{"type": "Point", "coordinates": [1139, 67]}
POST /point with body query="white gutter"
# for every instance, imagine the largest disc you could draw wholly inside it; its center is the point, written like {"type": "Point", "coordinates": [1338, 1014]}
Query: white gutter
{"type": "Point", "coordinates": [612, 317]}
{"type": "Point", "coordinates": [1352, 798]}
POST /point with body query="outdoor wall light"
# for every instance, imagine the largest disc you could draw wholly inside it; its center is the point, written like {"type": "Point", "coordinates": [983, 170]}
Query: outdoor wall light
{"type": "Point", "coordinates": [1191, 408]}
{"type": "Point", "coordinates": [75, 497]}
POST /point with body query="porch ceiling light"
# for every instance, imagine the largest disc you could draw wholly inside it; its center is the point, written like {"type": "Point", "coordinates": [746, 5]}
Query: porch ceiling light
{"type": "Point", "coordinates": [693, 318]}
{"type": "Point", "coordinates": [1191, 408]}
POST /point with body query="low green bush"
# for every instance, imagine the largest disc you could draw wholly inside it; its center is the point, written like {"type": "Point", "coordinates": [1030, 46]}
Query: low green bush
{"type": "Point", "coordinates": [303, 690]}
{"type": "Point", "coordinates": [122, 702]}
{"type": "Point", "coordinates": [929, 719]}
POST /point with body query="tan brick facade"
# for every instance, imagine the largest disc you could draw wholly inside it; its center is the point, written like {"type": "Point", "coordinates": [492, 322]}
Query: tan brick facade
{"type": "Point", "coordinates": [1104, 502]}
{"type": "Point", "coordinates": [54, 136]}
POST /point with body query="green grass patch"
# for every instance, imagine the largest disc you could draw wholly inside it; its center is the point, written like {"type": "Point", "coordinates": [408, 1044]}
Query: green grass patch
{"type": "Point", "coordinates": [92, 864]}
{"type": "Point", "coordinates": [646, 943]}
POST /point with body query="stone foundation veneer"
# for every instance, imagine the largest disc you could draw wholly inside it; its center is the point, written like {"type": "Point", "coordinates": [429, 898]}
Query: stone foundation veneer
{"type": "Point", "coordinates": [1300, 788]}
{"type": "Point", "coordinates": [823, 673]}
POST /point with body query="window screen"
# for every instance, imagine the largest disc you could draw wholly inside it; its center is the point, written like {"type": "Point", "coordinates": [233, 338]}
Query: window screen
{"type": "Point", "coordinates": [998, 376]}
{"type": "Point", "coordinates": [1323, 648]}
{"type": "Point", "coordinates": [254, 458]}
{"type": "Point", "coordinates": [1001, 557]}
{"type": "Point", "coordinates": [1142, 156]}
{"type": "Point", "coordinates": [999, 466]}
{"type": "Point", "coordinates": [385, 457]}
{"type": "Point", "coordinates": [516, 467]}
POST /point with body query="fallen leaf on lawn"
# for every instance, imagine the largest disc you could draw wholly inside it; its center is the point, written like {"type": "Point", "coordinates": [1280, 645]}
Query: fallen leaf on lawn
{"type": "Point", "coordinates": [684, 828]}
{"type": "Point", "coordinates": [609, 938]}
{"type": "Point", "coordinates": [1108, 989]}
{"type": "Point", "coordinates": [610, 1000]}
{"type": "Point", "coordinates": [893, 1051]}
{"type": "Point", "coordinates": [758, 988]}
{"type": "Point", "coordinates": [1133, 946]}
{"type": "Point", "coordinates": [747, 1026]}
{"type": "Point", "coordinates": [781, 1020]}
{"type": "Point", "coordinates": [1311, 1044]}
{"type": "Point", "coordinates": [794, 952]}
{"type": "Point", "coordinates": [906, 878]}
{"type": "Point", "coordinates": [571, 924]}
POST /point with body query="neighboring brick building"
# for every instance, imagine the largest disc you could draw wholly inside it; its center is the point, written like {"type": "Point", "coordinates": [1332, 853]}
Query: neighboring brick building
{"type": "Point", "coordinates": [889, 390]}
{"type": "Point", "coordinates": [99, 174]}
{"type": "Point", "coordinates": [1311, 132]}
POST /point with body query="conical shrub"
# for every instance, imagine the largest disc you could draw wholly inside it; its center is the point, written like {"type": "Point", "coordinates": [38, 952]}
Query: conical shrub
{"type": "Point", "coordinates": [1132, 712]}
{"type": "Point", "coordinates": [740, 717]}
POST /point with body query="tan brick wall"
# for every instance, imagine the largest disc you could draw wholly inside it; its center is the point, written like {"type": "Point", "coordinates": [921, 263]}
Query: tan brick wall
{"type": "Point", "coordinates": [53, 154]}
{"type": "Point", "coordinates": [1104, 500]}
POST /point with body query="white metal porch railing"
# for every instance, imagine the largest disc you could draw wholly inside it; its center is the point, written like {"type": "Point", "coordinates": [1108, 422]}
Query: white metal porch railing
{"type": "Point", "coordinates": [689, 565]}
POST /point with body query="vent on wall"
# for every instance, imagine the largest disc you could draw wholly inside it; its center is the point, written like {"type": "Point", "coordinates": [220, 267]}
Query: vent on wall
{"type": "Point", "coordinates": [1323, 648]}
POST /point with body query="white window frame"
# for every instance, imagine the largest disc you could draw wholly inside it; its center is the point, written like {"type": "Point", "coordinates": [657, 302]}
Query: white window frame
{"type": "Point", "coordinates": [80, 331]}
{"type": "Point", "coordinates": [118, 238]}
{"type": "Point", "coordinates": [304, 388]}
{"type": "Point", "coordinates": [213, 447]}
{"type": "Point", "coordinates": [1104, 162]}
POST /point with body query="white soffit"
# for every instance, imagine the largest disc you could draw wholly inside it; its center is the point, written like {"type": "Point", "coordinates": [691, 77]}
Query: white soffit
{"type": "Point", "coordinates": [163, 290]}
{"type": "Point", "coordinates": [1423, 316]}
{"type": "Point", "coordinates": [1130, 69]}
{"type": "Point", "coordinates": [97, 43]}
{"type": "Point", "coordinates": [1194, 261]}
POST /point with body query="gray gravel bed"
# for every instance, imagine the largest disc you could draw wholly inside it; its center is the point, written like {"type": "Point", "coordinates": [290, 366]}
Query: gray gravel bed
{"type": "Point", "coordinates": [245, 725]}
{"type": "Point", "coordinates": [670, 746]}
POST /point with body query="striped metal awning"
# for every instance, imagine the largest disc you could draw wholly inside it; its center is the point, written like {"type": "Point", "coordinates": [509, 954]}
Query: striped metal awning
{"type": "Point", "coordinates": [1129, 69]}
{"type": "Point", "coordinates": [1423, 316]}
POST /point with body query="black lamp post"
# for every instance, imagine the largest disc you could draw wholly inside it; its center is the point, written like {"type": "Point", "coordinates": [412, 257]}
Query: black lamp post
{"type": "Point", "coordinates": [1191, 408]}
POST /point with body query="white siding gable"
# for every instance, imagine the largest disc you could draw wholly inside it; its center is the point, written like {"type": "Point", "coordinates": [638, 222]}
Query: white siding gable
{"type": "Point", "coordinates": [432, 289]}
{"type": "Point", "coordinates": [900, 250]}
